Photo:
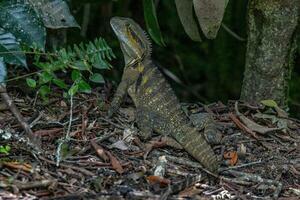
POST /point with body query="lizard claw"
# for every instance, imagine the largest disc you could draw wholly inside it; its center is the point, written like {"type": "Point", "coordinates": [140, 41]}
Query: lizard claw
{"type": "Point", "coordinates": [111, 111]}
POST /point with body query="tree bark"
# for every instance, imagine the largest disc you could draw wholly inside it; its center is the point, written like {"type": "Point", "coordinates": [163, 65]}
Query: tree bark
{"type": "Point", "coordinates": [271, 46]}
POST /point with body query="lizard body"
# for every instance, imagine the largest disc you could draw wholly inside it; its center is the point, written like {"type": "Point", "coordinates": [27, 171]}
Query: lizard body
{"type": "Point", "coordinates": [157, 107]}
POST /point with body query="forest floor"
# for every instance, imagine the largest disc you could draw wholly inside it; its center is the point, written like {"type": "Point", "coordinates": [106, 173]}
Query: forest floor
{"type": "Point", "coordinates": [100, 158]}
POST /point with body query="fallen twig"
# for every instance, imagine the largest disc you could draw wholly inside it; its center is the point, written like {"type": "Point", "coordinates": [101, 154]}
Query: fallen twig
{"type": "Point", "coordinates": [10, 103]}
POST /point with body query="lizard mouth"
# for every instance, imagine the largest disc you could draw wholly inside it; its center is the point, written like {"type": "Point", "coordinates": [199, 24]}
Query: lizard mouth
{"type": "Point", "coordinates": [117, 23]}
{"type": "Point", "coordinates": [120, 25]}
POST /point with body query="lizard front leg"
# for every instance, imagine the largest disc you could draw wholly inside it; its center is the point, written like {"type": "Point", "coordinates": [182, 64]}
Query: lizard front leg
{"type": "Point", "coordinates": [128, 79]}
{"type": "Point", "coordinates": [118, 98]}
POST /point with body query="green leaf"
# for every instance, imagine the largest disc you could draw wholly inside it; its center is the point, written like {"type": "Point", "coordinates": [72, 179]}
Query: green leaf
{"type": "Point", "coordinates": [186, 15]}
{"type": "Point", "coordinates": [44, 91]}
{"type": "Point", "coordinates": [97, 78]}
{"type": "Point", "coordinates": [4, 149]}
{"type": "Point", "coordinates": [151, 22]}
{"type": "Point", "coordinates": [269, 102]}
{"type": "Point", "coordinates": [210, 14]}
{"type": "Point", "coordinates": [54, 13]}
{"type": "Point", "coordinates": [45, 77]}
{"type": "Point", "coordinates": [60, 83]}
{"type": "Point", "coordinates": [99, 63]}
{"type": "Point", "coordinates": [10, 49]}
{"type": "Point", "coordinates": [18, 18]}
{"type": "Point", "coordinates": [73, 90]}
{"type": "Point", "coordinates": [3, 71]}
{"type": "Point", "coordinates": [84, 87]}
{"type": "Point", "coordinates": [80, 65]}
{"type": "Point", "coordinates": [75, 75]}
{"type": "Point", "coordinates": [31, 82]}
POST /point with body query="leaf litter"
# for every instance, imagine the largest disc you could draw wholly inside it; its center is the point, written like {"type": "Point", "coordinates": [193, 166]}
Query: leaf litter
{"type": "Point", "coordinates": [259, 154]}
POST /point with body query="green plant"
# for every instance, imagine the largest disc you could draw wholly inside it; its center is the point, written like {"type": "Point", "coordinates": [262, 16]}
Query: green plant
{"type": "Point", "coordinates": [77, 59]}
{"type": "Point", "coordinates": [209, 15]}
{"type": "Point", "coordinates": [4, 149]}
{"type": "Point", "coordinates": [23, 26]}
{"type": "Point", "coordinates": [24, 23]}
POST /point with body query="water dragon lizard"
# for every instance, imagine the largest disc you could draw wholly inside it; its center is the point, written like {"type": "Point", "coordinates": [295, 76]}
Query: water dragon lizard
{"type": "Point", "coordinates": [157, 107]}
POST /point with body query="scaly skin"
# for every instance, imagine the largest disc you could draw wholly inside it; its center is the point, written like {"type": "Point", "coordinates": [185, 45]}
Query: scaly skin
{"type": "Point", "coordinates": [187, 182]}
{"type": "Point", "coordinates": [158, 108]}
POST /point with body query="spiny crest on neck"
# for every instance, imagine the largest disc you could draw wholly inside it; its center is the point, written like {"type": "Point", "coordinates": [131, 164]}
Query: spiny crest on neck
{"type": "Point", "coordinates": [134, 40]}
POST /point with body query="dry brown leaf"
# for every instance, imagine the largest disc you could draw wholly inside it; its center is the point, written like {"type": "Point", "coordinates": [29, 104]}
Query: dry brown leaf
{"type": "Point", "coordinates": [163, 182]}
{"type": "Point", "coordinates": [252, 125]}
{"type": "Point", "coordinates": [232, 156]}
{"type": "Point", "coordinates": [49, 132]}
{"type": "Point", "coordinates": [100, 151]}
{"type": "Point", "coordinates": [116, 165]}
{"type": "Point", "coordinates": [16, 165]}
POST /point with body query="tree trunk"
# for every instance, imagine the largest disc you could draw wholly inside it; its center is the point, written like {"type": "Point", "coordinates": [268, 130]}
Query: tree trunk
{"type": "Point", "coordinates": [271, 45]}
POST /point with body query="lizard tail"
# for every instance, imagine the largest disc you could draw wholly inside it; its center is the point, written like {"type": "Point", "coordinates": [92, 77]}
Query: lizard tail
{"type": "Point", "coordinates": [196, 145]}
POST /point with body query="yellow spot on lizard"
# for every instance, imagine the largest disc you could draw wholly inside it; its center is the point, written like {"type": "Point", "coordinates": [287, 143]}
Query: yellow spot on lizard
{"type": "Point", "coordinates": [140, 67]}
{"type": "Point", "coordinates": [148, 90]}
{"type": "Point", "coordinates": [145, 80]}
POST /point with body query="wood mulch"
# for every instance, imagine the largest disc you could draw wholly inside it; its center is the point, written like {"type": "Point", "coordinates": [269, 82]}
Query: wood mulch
{"type": "Point", "coordinates": [100, 158]}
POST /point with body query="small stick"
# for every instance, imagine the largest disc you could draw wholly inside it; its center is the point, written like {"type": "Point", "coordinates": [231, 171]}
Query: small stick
{"type": "Point", "coordinates": [243, 165]}
{"type": "Point", "coordinates": [10, 104]}
{"type": "Point", "coordinates": [242, 126]}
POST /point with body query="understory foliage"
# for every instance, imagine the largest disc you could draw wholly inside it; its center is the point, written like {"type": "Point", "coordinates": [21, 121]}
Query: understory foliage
{"type": "Point", "coordinates": [76, 59]}
{"type": "Point", "coordinates": [209, 15]}
{"type": "Point", "coordinates": [23, 27]}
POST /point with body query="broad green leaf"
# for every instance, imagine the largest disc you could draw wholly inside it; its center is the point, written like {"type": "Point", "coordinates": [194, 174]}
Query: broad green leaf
{"type": "Point", "coordinates": [3, 71]}
{"type": "Point", "coordinates": [10, 49]}
{"type": "Point", "coordinates": [75, 75]}
{"type": "Point", "coordinates": [31, 82]}
{"type": "Point", "coordinates": [73, 90]}
{"type": "Point", "coordinates": [269, 102]}
{"type": "Point", "coordinates": [44, 91]}
{"type": "Point", "coordinates": [18, 18]}
{"type": "Point", "coordinates": [4, 149]}
{"type": "Point", "coordinates": [60, 83]}
{"type": "Point", "coordinates": [186, 15]}
{"type": "Point", "coordinates": [97, 78]}
{"type": "Point", "coordinates": [45, 77]}
{"type": "Point", "coordinates": [210, 14]}
{"type": "Point", "coordinates": [84, 87]}
{"type": "Point", "coordinates": [54, 13]}
{"type": "Point", "coordinates": [151, 22]}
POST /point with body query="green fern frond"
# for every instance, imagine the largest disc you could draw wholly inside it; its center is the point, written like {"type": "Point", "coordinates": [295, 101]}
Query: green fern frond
{"type": "Point", "coordinates": [85, 56]}
{"type": "Point", "coordinates": [76, 58]}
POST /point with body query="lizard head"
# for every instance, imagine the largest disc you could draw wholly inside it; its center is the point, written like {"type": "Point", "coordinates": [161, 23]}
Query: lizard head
{"type": "Point", "coordinates": [134, 41]}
